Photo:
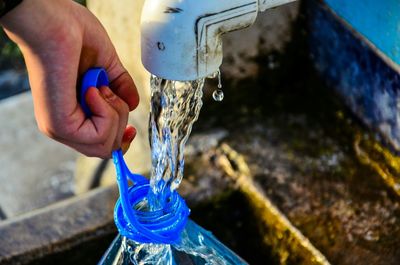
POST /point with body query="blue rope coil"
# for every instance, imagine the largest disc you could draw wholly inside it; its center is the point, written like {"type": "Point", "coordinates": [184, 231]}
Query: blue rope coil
{"type": "Point", "coordinates": [162, 226]}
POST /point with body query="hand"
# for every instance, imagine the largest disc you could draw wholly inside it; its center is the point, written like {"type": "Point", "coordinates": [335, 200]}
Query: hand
{"type": "Point", "coordinates": [60, 41]}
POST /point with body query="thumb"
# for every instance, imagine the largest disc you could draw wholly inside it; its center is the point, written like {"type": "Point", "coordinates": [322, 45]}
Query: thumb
{"type": "Point", "coordinates": [104, 120]}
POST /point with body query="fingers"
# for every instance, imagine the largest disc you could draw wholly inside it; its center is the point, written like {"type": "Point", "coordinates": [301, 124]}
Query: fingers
{"type": "Point", "coordinates": [107, 128]}
{"type": "Point", "coordinates": [124, 134]}
{"type": "Point", "coordinates": [101, 126]}
{"type": "Point", "coordinates": [95, 150]}
{"type": "Point", "coordinates": [129, 135]}
{"type": "Point", "coordinates": [121, 108]}
{"type": "Point", "coordinates": [103, 150]}
{"type": "Point", "coordinates": [109, 120]}
{"type": "Point", "coordinates": [105, 120]}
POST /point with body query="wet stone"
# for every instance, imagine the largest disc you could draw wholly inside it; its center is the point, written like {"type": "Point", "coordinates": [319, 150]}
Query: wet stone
{"type": "Point", "coordinates": [324, 170]}
{"type": "Point", "coordinates": [341, 205]}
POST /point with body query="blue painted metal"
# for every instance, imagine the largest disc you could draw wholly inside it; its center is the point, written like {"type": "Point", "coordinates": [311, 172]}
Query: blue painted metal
{"type": "Point", "coordinates": [377, 20]}
{"type": "Point", "coordinates": [368, 82]}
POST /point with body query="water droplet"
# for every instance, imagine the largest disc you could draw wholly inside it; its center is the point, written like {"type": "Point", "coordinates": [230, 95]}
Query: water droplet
{"type": "Point", "coordinates": [218, 95]}
{"type": "Point", "coordinates": [219, 80]}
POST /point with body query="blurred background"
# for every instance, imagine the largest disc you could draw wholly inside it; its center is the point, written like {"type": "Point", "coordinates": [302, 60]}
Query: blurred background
{"type": "Point", "coordinates": [298, 165]}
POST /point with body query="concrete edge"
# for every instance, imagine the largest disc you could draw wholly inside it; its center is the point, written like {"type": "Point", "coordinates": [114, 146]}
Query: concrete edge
{"type": "Point", "coordinates": [58, 227]}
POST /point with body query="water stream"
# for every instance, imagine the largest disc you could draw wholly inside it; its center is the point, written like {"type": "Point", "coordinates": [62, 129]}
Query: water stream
{"type": "Point", "coordinates": [175, 106]}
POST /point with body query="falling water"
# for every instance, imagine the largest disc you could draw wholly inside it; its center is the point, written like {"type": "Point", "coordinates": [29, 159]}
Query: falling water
{"type": "Point", "coordinates": [175, 106]}
{"type": "Point", "coordinates": [218, 95]}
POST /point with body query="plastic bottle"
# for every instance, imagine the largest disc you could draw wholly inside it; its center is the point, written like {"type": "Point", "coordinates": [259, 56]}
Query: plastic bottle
{"type": "Point", "coordinates": [197, 247]}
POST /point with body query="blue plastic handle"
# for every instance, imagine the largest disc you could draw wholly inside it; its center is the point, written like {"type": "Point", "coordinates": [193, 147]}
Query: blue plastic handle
{"type": "Point", "coordinates": [163, 226]}
{"type": "Point", "coordinates": [95, 77]}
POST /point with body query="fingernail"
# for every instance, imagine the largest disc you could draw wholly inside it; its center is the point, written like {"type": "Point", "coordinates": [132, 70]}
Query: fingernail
{"type": "Point", "coordinates": [127, 138]}
{"type": "Point", "coordinates": [124, 148]}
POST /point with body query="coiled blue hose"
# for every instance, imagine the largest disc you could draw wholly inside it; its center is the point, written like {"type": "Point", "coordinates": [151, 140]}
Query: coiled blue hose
{"type": "Point", "coordinates": [162, 226]}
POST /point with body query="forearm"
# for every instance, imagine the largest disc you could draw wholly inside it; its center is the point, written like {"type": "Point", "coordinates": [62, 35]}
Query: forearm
{"type": "Point", "coordinates": [33, 21]}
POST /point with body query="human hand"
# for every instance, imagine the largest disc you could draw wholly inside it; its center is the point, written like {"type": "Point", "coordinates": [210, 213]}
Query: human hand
{"type": "Point", "coordinates": [60, 41]}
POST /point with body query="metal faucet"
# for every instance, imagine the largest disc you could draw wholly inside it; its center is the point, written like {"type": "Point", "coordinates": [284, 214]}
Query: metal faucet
{"type": "Point", "coordinates": [181, 39]}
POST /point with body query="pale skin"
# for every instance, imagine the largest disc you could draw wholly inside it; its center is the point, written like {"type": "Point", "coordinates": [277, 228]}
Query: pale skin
{"type": "Point", "coordinates": [60, 40]}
